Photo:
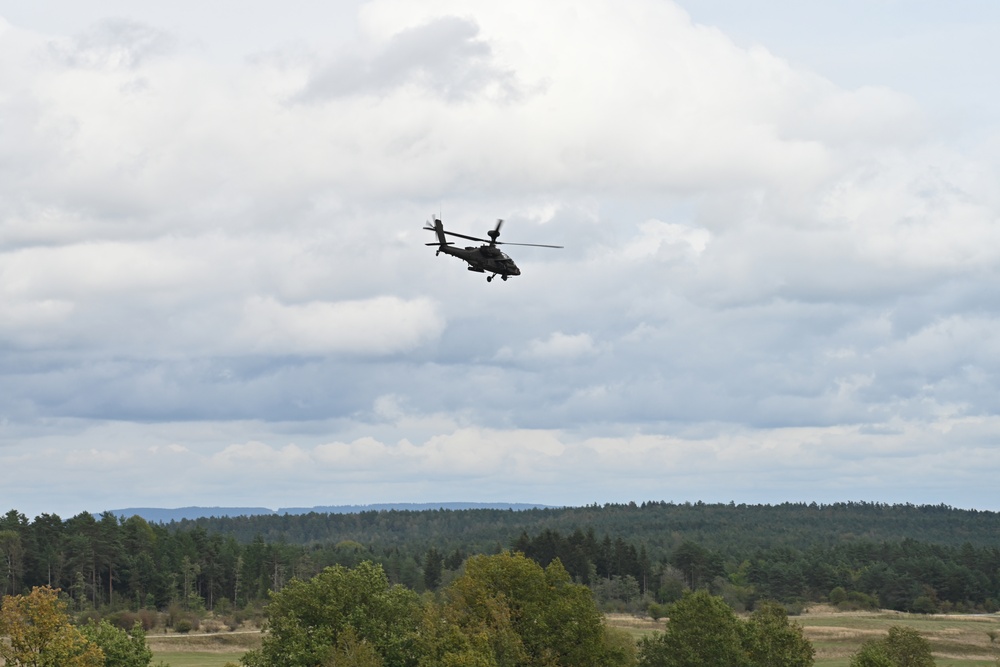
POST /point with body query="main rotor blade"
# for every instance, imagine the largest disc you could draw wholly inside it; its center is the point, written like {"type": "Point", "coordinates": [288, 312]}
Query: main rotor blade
{"type": "Point", "coordinates": [471, 238]}
{"type": "Point", "coordinates": [533, 245]}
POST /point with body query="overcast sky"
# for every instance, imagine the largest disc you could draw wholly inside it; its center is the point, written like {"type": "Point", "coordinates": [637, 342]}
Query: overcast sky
{"type": "Point", "coordinates": [781, 225]}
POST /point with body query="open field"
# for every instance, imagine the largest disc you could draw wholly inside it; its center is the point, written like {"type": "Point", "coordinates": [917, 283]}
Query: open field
{"type": "Point", "coordinates": [202, 650]}
{"type": "Point", "coordinates": [957, 641]}
{"type": "Point", "coordinates": [196, 659]}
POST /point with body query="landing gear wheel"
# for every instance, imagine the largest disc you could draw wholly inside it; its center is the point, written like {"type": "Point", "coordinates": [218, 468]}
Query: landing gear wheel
{"type": "Point", "coordinates": [504, 278]}
{"type": "Point", "coordinates": [489, 279]}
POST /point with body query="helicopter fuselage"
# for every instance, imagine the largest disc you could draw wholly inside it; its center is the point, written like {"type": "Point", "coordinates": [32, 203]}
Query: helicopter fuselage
{"type": "Point", "coordinates": [482, 259]}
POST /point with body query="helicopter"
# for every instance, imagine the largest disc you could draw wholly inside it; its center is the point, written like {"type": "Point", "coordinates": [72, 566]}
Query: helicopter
{"type": "Point", "coordinates": [484, 258]}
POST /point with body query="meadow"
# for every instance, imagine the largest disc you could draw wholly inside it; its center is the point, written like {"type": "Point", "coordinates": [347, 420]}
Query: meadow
{"type": "Point", "coordinates": [202, 649]}
{"type": "Point", "coordinates": [956, 640]}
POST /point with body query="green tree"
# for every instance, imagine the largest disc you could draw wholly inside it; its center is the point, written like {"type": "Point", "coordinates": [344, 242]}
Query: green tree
{"type": "Point", "coordinates": [698, 564]}
{"type": "Point", "coordinates": [40, 634]}
{"type": "Point", "coordinates": [11, 561]}
{"type": "Point", "coordinates": [433, 569]}
{"type": "Point", "coordinates": [902, 647]}
{"type": "Point", "coordinates": [353, 652]}
{"type": "Point", "coordinates": [120, 648]}
{"type": "Point", "coordinates": [506, 610]}
{"type": "Point", "coordinates": [443, 641]}
{"type": "Point", "coordinates": [308, 619]}
{"type": "Point", "coordinates": [702, 630]}
{"type": "Point", "coordinates": [872, 654]}
{"type": "Point", "coordinates": [771, 641]}
{"type": "Point", "coordinates": [908, 648]}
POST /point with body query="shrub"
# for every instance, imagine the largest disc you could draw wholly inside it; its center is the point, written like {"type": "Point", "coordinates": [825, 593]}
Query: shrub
{"type": "Point", "coordinates": [148, 618]}
{"type": "Point", "coordinates": [123, 620]}
{"type": "Point", "coordinates": [656, 611]}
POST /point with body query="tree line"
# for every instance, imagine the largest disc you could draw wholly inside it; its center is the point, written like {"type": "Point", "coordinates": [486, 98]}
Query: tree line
{"type": "Point", "coordinates": [632, 557]}
{"type": "Point", "coordinates": [503, 611]}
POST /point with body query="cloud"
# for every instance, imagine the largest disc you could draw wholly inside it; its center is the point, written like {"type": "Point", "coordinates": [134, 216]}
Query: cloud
{"type": "Point", "coordinates": [551, 467]}
{"type": "Point", "coordinates": [113, 44]}
{"type": "Point", "coordinates": [444, 56]}
{"type": "Point", "coordinates": [383, 325]}
{"type": "Point", "coordinates": [224, 254]}
{"type": "Point", "coordinates": [558, 347]}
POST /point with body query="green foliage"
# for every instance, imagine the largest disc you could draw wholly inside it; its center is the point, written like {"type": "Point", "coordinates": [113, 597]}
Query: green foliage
{"type": "Point", "coordinates": [628, 554]}
{"type": "Point", "coordinates": [702, 630]}
{"type": "Point", "coordinates": [308, 619]}
{"type": "Point", "coordinates": [351, 651]}
{"type": "Point", "coordinates": [433, 569]}
{"type": "Point", "coordinates": [120, 648]}
{"type": "Point", "coordinates": [656, 611]}
{"type": "Point", "coordinates": [907, 648]}
{"type": "Point", "coordinates": [39, 633]}
{"type": "Point", "coordinates": [11, 561]}
{"type": "Point", "coordinates": [872, 654]}
{"type": "Point", "coordinates": [619, 648]}
{"type": "Point", "coordinates": [771, 641]}
{"type": "Point", "coordinates": [513, 612]}
{"type": "Point", "coordinates": [902, 647]}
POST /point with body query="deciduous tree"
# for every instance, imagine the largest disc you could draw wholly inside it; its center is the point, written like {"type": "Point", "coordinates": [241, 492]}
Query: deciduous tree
{"type": "Point", "coordinates": [510, 612]}
{"type": "Point", "coordinates": [902, 647]}
{"type": "Point", "coordinates": [308, 619]}
{"type": "Point", "coordinates": [702, 630]}
{"type": "Point", "coordinates": [771, 641]}
{"type": "Point", "coordinates": [40, 634]}
{"type": "Point", "coordinates": [120, 648]}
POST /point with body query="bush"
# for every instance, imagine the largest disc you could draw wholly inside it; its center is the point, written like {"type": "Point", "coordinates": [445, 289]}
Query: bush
{"type": "Point", "coordinates": [123, 620]}
{"type": "Point", "coordinates": [183, 626]}
{"type": "Point", "coordinates": [902, 646]}
{"type": "Point", "coordinates": [148, 618]}
{"type": "Point", "coordinates": [120, 648]}
{"type": "Point", "coordinates": [174, 614]}
{"type": "Point", "coordinates": [856, 600]}
{"type": "Point", "coordinates": [656, 611]}
{"type": "Point", "coordinates": [89, 616]}
{"type": "Point", "coordinates": [794, 608]}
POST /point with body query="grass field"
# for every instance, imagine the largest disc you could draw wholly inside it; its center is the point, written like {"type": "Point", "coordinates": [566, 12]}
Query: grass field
{"type": "Point", "coordinates": [202, 650]}
{"type": "Point", "coordinates": [957, 641]}
{"type": "Point", "coordinates": [195, 659]}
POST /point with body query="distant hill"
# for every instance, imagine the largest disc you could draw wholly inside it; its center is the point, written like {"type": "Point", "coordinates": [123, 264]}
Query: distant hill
{"type": "Point", "coordinates": [409, 507]}
{"type": "Point", "coordinates": [162, 515]}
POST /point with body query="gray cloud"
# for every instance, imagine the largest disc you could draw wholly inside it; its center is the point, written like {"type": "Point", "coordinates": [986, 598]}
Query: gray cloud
{"type": "Point", "coordinates": [763, 271]}
{"type": "Point", "coordinates": [445, 56]}
{"type": "Point", "coordinates": [115, 44]}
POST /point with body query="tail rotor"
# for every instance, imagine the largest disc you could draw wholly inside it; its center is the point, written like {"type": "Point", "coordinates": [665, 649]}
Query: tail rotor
{"type": "Point", "coordinates": [437, 228]}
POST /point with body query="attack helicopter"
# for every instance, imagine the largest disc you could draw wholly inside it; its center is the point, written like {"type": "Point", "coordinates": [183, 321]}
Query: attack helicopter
{"type": "Point", "coordinates": [484, 258]}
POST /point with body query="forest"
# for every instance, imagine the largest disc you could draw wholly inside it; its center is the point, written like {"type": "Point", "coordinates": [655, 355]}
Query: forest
{"type": "Point", "coordinates": [633, 557]}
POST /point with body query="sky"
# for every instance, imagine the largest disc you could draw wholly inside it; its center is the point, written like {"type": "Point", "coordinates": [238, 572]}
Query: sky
{"type": "Point", "coordinates": [779, 281]}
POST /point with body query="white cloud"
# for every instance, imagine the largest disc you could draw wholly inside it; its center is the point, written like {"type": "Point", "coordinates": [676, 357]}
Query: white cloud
{"type": "Point", "coordinates": [762, 268]}
{"type": "Point", "coordinates": [666, 240]}
{"type": "Point", "coordinates": [557, 348]}
{"type": "Point", "coordinates": [382, 325]}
